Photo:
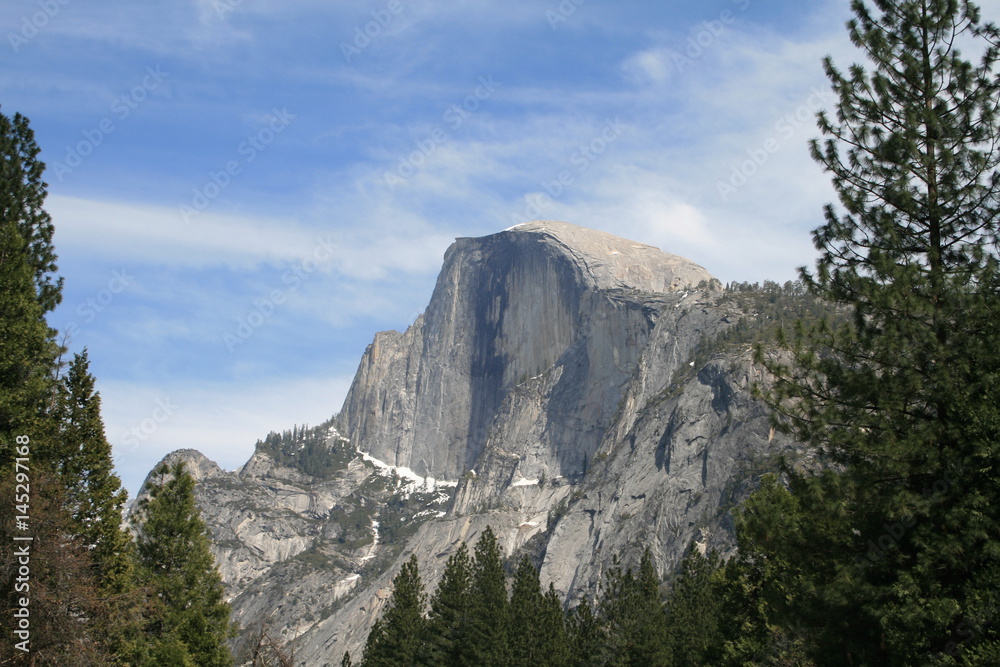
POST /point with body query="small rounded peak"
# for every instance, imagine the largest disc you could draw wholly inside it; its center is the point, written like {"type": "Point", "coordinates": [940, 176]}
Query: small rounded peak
{"type": "Point", "coordinates": [197, 464]}
{"type": "Point", "coordinates": [615, 262]}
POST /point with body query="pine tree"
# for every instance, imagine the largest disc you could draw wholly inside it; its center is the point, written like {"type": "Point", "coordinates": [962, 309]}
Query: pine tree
{"type": "Point", "coordinates": [632, 613]}
{"type": "Point", "coordinates": [694, 611]}
{"type": "Point", "coordinates": [173, 547]}
{"type": "Point", "coordinates": [95, 497]}
{"type": "Point", "coordinates": [397, 638]}
{"type": "Point", "coordinates": [586, 636]}
{"type": "Point", "coordinates": [650, 641]}
{"type": "Point", "coordinates": [751, 582]}
{"type": "Point", "coordinates": [894, 544]}
{"type": "Point", "coordinates": [552, 638]}
{"type": "Point", "coordinates": [449, 615]}
{"type": "Point", "coordinates": [21, 201]}
{"type": "Point", "coordinates": [487, 639]}
{"type": "Point", "coordinates": [68, 614]}
{"type": "Point", "coordinates": [94, 501]}
{"type": "Point", "coordinates": [28, 290]}
{"type": "Point", "coordinates": [617, 613]}
{"type": "Point", "coordinates": [526, 610]}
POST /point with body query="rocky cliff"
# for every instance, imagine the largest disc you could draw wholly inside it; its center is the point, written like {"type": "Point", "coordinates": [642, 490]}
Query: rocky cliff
{"type": "Point", "coordinates": [564, 386]}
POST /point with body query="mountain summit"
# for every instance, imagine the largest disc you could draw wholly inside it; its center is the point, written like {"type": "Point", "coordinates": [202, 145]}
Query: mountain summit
{"type": "Point", "coordinates": [548, 302]}
{"type": "Point", "coordinates": [566, 387]}
{"type": "Point", "coordinates": [611, 262]}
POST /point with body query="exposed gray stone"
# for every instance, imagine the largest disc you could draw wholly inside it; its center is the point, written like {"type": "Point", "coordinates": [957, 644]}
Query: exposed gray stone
{"type": "Point", "coordinates": [552, 379]}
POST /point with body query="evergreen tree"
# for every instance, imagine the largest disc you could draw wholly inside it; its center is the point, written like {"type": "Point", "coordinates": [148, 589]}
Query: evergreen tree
{"type": "Point", "coordinates": [586, 637]}
{"type": "Point", "coordinates": [95, 497]}
{"type": "Point", "coordinates": [694, 611]}
{"type": "Point", "coordinates": [68, 614]}
{"type": "Point", "coordinates": [526, 611]}
{"type": "Point", "coordinates": [748, 582]}
{"type": "Point", "coordinates": [22, 198]}
{"type": "Point", "coordinates": [552, 638]}
{"type": "Point", "coordinates": [487, 639]}
{"type": "Point", "coordinates": [193, 619]}
{"type": "Point", "coordinates": [449, 616]}
{"type": "Point", "coordinates": [28, 290]}
{"type": "Point", "coordinates": [396, 640]}
{"type": "Point", "coordinates": [94, 501]}
{"type": "Point", "coordinates": [650, 646]}
{"type": "Point", "coordinates": [377, 637]}
{"type": "Point", "coordinates": [894, 545]}
{"type": "Point", "coordinates": [632, 613]}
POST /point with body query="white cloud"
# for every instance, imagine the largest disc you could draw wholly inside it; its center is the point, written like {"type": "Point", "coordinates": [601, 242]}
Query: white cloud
{"type": "Point", "coordinates": [649, 67]}
{"type": "Point", "coordinates": [160, 235]}
{"type": "Point", "coordinates": [384, 241]}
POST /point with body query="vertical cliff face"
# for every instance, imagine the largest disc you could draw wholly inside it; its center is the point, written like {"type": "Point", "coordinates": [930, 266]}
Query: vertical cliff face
{"type": "Point", "coordinates": [542, 300]}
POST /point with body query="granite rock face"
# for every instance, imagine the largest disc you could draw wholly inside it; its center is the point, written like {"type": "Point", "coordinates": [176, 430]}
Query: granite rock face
{"type": "Point", "coordinates": [560, 387]}
{"type": "Point", "coordinates": [542, 301]}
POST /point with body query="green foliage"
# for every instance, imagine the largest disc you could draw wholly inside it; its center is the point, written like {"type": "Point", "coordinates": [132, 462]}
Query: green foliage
{"type": "Point", "coordinates": [180, 570]}
{"type": "Point", "coordinates": [586, 635]}
{"type": "Point", "coordinates": [631, 611]}
{"type": "Point", "coordinates": [488, 634]}
{"type": "Point", "coordinates": [28, 290]}
{"type": "Point", "coordinates": [95, 498]}
{"type": "Point", "coordinates": [308, 450]}
{"type": "Point", "coordinates": [535, 632]}
{"type": "Point", "coordinates": [471, 620]}
{"type": "Point", "coordinates": [397, 638]}
{"type": "Point", "coordinates": [449, 615]}
{"type": "Point", "coordinates": [694, 611]}
{"type": "Point", "coordinates": [755, 315]}
{"type": "Point", "coordinates": [772, 312]}
{"type": "Point", "coordinates": [553, 640]}
{"type": "Point", "coordinates": [889, 540]}
{"type": "Point", "coordinates": [22, 198]}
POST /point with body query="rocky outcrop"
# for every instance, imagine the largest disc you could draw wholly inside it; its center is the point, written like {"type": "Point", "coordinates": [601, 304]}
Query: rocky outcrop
{"type": "Point", "coordinates": [562, 387]}
{"type": "Point", "coordinates": [543, 301]}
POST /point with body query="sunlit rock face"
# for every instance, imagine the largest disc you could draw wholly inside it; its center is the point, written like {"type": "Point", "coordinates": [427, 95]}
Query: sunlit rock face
{"type": "Point", "coordinates": [543, 302]}
{"type": "Point", "coordinates": [561, 387]}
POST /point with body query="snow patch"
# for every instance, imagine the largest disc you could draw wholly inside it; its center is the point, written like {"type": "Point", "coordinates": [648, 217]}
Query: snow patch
{"type": "Point", "coordinates": [520, 224]}
{"type": "Point", "coordinates": [411, 480]}
{"type": "Point", "coordinates": [525, 482]}
{"type": "Point", "coordinates": [371, 549]}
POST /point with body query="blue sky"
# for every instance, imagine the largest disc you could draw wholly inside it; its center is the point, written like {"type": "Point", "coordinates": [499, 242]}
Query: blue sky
{"type": "Point", "coordinates": [244, 192]}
